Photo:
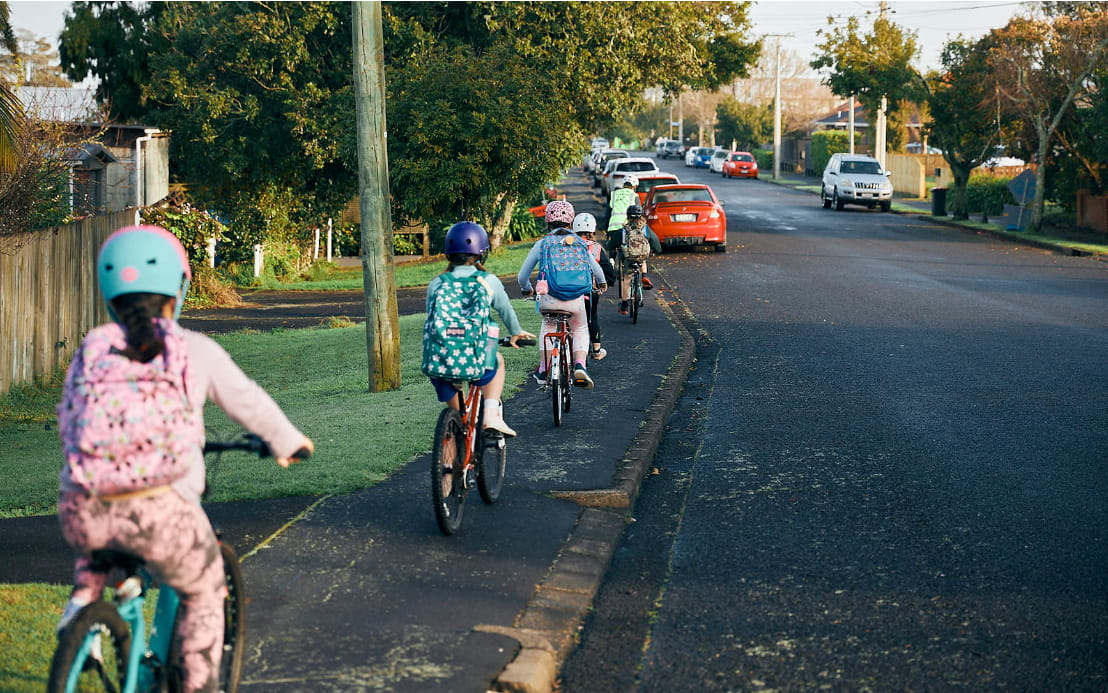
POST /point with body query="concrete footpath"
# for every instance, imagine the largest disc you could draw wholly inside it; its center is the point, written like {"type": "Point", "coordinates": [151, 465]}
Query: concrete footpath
{"type": "Point", "coordinates": [362, 593]}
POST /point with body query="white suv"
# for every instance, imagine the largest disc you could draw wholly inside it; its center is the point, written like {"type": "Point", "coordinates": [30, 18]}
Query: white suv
{"type": "Point", "coordinates": [854, 179]}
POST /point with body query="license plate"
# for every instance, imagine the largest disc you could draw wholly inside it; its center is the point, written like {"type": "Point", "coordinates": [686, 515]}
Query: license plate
{"type": "Point", "coordinates": [683, 217]}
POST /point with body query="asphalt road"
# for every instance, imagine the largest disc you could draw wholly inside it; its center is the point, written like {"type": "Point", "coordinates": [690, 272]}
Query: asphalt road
{"type": "Point", "coordinates": [887, 471]}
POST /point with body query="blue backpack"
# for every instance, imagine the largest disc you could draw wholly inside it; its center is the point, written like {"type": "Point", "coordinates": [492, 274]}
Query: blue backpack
{"type": "Point", "coordinates": [565, 266]}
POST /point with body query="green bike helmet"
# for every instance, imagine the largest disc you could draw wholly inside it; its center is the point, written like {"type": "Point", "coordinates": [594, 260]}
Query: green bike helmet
{"type": "Point", "coordinates": [143, 259]}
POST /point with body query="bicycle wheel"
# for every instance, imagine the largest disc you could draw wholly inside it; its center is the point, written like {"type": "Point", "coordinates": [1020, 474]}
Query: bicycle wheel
{"type": "Point", "coordinates": [234, 631]}
{"type": "Point", "coordinates": [556, 387]}
{"type": "Point", "coordinates": [567, 378]}
{"type": "Point", "coordinates": [447, 491]}
{"type": "Point", "coordinates": [92, 652]}
{"type": "Point", "coordinates": [234, 623]}
{"type": "Point", "coordinates": [491, 465]}
{"type": "Point", "coordinates": [635, 297]}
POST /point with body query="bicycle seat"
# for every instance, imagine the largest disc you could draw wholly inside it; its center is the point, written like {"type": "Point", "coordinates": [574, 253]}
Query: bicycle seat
{"type": "Point", "coordinates": [557, 313]}
{"type": "Point", "coordinates": [104, 560]}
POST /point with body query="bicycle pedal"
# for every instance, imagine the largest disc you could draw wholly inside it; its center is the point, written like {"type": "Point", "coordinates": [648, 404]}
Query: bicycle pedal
{"type": "Point", "coordinates": [470, 478]}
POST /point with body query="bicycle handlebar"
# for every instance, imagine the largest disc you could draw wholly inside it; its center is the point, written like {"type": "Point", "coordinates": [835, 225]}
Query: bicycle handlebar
{"type": "Point", "coordinates": [507, 341]}
{"type": "Point", "coordinates": [249, 443]}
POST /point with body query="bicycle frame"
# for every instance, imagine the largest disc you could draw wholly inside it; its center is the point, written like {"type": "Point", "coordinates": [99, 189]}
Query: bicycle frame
{"type": "Point", "coordinates": [471, 413]}
{"type": "Point", "coordinates": [153, 653]}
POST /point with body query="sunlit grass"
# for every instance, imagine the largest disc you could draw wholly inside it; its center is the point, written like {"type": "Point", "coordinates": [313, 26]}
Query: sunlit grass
{"type": "Point", "coordinates": [318, 376]}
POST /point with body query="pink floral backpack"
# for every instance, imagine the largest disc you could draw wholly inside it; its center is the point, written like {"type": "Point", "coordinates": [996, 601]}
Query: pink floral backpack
{"type": "Point", "coordinates": [126, 425]}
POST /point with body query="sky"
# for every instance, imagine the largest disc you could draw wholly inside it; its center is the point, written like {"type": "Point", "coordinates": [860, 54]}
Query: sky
{"type": "Point", "coordinates": [935, 21]}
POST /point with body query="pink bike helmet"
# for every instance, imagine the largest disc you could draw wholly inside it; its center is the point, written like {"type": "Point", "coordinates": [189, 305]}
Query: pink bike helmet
{"type": "Point", "coordinates": [559, 212]}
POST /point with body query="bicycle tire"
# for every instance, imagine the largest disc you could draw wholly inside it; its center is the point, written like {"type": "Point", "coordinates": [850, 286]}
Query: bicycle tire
{"type": "Point", "coordinates": [449, 451]}
{"type": "Point", "coordinates": [101, 618]}
{"type": "Point", "coordinates": [556, 387]}
{"type": "Point", "coordinates": [635, 298]}
{"type": "Point", "coordinates": [567, 377]}
{"type": "Point", "coordinates": [234, 623]}
{"type": "Point", "coordinates": [491, 466]}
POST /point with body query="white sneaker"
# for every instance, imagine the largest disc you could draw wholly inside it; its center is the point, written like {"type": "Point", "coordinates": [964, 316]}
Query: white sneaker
{"type": "Point", "coordinates": [599, 353]}
{"type": "Point", "coordinates": [494, 419]}
{"type": "Point", "coordinates": [71, 609]}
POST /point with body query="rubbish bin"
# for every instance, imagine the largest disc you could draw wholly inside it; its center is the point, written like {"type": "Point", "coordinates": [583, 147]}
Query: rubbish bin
{"type": "Point", "coordinates": [938, 202]}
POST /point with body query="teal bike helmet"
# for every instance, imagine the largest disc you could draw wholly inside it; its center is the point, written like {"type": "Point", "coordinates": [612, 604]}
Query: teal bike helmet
{"type": "Point", "coordinates": [143, 259]}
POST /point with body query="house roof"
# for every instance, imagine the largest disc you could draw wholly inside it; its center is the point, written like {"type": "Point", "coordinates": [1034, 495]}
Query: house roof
{"type": "Point", "coordinates": [61, 104]}
{"type": "Point", "coordinates": [840, 117]}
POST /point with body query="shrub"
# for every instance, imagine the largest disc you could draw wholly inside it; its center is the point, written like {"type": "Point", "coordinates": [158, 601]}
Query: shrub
{"type": "Point", "coordinates": [764, 157]}
{"type": "Point", "coordinates": [824, 144]}
{"type": "Point", "coordinates": [988, 194]}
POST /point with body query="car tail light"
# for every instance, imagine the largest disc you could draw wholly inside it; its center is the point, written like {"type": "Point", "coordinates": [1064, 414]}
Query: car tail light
{"type": "Point", "coordinates": [714, 214]}
{"type": "Point", "coordinates": [652, 217]}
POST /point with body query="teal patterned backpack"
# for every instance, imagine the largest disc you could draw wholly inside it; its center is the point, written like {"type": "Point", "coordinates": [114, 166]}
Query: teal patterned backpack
{"type": "Point", "coordinates": [455, 336]}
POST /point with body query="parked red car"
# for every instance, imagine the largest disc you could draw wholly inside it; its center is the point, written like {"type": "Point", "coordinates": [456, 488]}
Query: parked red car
{"type": "Point", "coordinates": [648, 181]}
{"type": "Point", "coordinates": [687, 215]}
{"type": "Point", "coordinates": [740, 165]}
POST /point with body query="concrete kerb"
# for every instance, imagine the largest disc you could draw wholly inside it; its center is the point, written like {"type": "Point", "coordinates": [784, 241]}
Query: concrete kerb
{"type": "Point", "coordinates": [548, 627]}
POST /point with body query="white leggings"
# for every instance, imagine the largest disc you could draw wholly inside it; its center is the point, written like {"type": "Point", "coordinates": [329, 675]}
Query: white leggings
{"type": "Point", "coordinates": [578, 323]}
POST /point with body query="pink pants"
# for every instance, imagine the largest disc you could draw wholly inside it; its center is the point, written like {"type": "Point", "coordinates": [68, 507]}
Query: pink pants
{"type": "Point", "coordinates": [578, 323]}
{"type": "Point", "coordinates": [176, 540]}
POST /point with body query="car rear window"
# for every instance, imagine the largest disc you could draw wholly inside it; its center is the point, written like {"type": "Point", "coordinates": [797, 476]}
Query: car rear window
{"type": "Point", "coordinates": [648, 184]}
{"type": "Point", "coordinates": [693, 195]}
{"type": "Point", "coordinates": [861, 167]}
{"type": "Point", "coordinates": [637, 166]}
{"type": "Point", "coordinates": [741, 157]}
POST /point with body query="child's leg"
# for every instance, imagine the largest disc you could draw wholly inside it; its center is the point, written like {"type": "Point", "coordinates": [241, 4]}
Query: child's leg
{"type": "Point", "coordinates": [177, 541]}
{"type": "Point", "coordinates": [86, 526]}
{"type": "Point", "coordinates": [494, 408]}
{"type": "Point", "coordinates": [594, 324]}
{"type": "Point", "coordinates": [579, 325]}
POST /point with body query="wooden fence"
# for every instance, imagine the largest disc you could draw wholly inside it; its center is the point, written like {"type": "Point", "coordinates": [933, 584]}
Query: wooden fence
{"type": "Point", "coordinates": [49, 298]}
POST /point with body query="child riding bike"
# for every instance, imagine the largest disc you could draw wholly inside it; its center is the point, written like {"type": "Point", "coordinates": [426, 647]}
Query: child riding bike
{"type": "Point", "coordinates": [458, 303]}
{"type": "Point", "coordinates": [131, 423]}
{"type": "Point", "coordinates": [622, 198]}
{"type": "Point", "coordinates": [628, 243]}
{"type": "Point", "coordinates": [567, 272]}
{"type": "Point", "coordinates": [584, 225]}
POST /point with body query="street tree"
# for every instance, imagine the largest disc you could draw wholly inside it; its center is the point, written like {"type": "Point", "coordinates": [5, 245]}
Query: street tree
{"type": "Point", "coordinates": [1042, 67]}
{"type": "Point", "coordinates": [745, 124]}
{"type": "Point", "coordinates": [961, 98]}
{"type": "Point", "coordinates": [872, 67]}
{"type": "Point", "coordinates": [504, 87]}
{"type": "Point", "coordinates": [111, 42]}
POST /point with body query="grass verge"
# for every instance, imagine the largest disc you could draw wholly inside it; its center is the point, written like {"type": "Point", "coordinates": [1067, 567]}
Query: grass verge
{"type": "Point", "coordinates": [506, 260]}
{"type": "Point", "coordinates": [319, 377]}
{"type": "Point", "coordinates": [325, 394]}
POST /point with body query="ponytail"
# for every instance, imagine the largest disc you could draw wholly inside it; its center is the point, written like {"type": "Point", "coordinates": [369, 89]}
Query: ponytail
{"type": "Point", "coordinates": [136, 313]}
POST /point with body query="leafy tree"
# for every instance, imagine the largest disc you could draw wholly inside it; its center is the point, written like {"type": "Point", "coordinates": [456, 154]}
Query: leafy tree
{"type": "Point", "coordinates": [486, 102]}
{"type": "Point", "coordinates": [961, 99]}
{"type": "Point", "coordinates": [11, 112]}
{"type": "Point", "coordinates": [502, 85]}
{"type": "Point", "coordinates": [34, 64]}
{"type": "Point", "coordinates": [745, 124]}
{"type": "Point", "coordinates": [870, 67]}
{"type": "Point", "coordinates": [1043, 67]}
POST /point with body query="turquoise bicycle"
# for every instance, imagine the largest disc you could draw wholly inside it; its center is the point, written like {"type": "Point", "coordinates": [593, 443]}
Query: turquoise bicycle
{"type": "Point", "coordinates": [105, 647]}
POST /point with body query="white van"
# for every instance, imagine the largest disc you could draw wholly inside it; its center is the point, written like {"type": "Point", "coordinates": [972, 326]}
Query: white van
{"type": "Point", "coordinates": [854, 179]}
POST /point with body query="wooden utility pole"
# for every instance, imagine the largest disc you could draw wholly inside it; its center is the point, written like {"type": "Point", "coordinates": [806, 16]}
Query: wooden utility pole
{"type": "Point", "coordinates": [382, 321]}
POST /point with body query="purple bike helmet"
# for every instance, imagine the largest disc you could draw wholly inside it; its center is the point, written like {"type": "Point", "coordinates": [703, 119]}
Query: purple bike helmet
{"type": "Point", "coordinates": [466, 238]}
{"type": "Point", "coordinates": [559, 212]}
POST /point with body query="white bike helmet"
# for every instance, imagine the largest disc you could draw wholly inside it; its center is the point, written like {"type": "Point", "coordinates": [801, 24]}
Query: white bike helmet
{"type": "Point", "coordinates": [584, 223]}
{"type": "Point", "coordinates": [630, 181]}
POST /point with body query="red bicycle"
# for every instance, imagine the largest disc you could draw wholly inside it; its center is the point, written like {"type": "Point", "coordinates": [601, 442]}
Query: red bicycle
{"type": "Point", "coordinates": [559, 371]}
{"type": "Point", "coordinates": [464, 455]}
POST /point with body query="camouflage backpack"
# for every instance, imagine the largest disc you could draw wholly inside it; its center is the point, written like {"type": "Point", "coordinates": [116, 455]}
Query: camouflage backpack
{"type": "Point", "coordinates": [455, 336]}
{"type": "Point", "coordinates": [636, 245]}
